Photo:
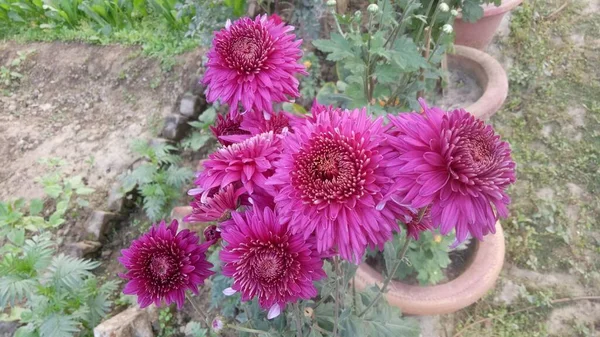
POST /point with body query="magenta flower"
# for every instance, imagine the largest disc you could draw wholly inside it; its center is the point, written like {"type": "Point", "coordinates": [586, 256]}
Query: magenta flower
{"type": "Point", "coordinates": [454, 163]}
{"type": "Point", "coordinates": [248, 162]}
{"type": "Point", "coordinates": [253, 62]}
{"type": "Point", "coordinates": [268, 262]}
{"type": "Point", "coordinates": [418, 223]}
{"type": "Point", "coordinates": [216, 207]}
{"type": "Point", "coordinates": [255, 122]}
{"type": "Point", "coordinates": [162, 264]}
{"type": "Point", "coordinates": [227, 126]}
{"type": "Point", "coordinates": [331, 177]}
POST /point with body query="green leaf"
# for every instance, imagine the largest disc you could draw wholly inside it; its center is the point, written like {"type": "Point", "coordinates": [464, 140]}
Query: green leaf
{"type": "Point", "coordinates": [69, 272]}
{"type": "Point", "coordinates": [58, 325]}
{"type": "Point", "coordinates": [35, 206]}
{"type": "Point", "coordinates": [406, 55]}
{"type": "Point", "coordinates": [209, 115]}
{"type": "Point", "coordinates": [472, 10]}
{"type": "Point", "coordinates": [17, 236]}
{"type": "Point", "coordinates": [195, 141]}
{"type": "Point", "coordinates": [386, 74]}
{"type": "Point", "coordinates": [143, 174]}
{"type": "Point", "coordinates": [84, 190]}
{"type": "Point", "coordinates": [25, 331]}
{"type": "Point", "coordinates": [178, 176]}
{"type": "Point", "coordinates": [294, 108]}
{"type": "Point", "coordinates": [13, 288]}
{"type": "Point", "coordinates": [337, 47]}
{"type": "Point", "coordinates": [194, 329]}
{"type": "Point", "coordinates": [53, 190]}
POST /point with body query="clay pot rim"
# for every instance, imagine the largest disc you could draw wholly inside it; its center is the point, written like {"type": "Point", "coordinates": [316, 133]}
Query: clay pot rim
{"type": "Point", "coordinates": [479, 277]}
{"type": "Point", "coordinates": [495, 87]}
{"type": "Point", "coordinates": [491, 9]}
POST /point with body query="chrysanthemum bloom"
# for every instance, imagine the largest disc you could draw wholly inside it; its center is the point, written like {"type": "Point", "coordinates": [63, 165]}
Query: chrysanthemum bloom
{"type": "Point", "coordinates": [329, 180]}
{"type": "Point", "coordinates": [255, 122]}
{"type": "Point", "coordinates": [162, 264]}
{"type": "Point", "coordinates": [228, 125]}
{"type": "Point", "coordinates": [253, 62]}
{"type": "Point", "coordinates": [455, 163]}
{"type": "Point", "coordinates": [215, 207]}
{"type": "Point", "coordinates": [268, 262]}
{"type": "Point", "coordinates": [248, 162]}
{"type": "Point", "coordinates": [419, 222]}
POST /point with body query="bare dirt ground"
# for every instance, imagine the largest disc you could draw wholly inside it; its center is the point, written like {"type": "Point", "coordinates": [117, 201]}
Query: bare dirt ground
{"type": "Point", "coordinates": [83, 104]}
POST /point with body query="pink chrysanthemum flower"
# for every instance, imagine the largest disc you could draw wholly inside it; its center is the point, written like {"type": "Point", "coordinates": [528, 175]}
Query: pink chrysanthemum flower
{"type": "Point", "coordinates": [162, 264]}
{"type": "Point", "coordinates": [248, 162]}
{"type": "Point", "coordinates": [253, 62]}
{"type": "Point", "coordinates": [268, 262]}
{"type": "Point", "coordinates": [330, 178]}
{"type": "Point", "coordinates": [255, 122]}
{"type": "Point", "coordinates": [418, 223]}
{"type": "Point", "coordinates": [216, 207]}
{"type": "Point", "coordinates": [457, 165]}
{"type": "Point", "coordinates": [227, 126]}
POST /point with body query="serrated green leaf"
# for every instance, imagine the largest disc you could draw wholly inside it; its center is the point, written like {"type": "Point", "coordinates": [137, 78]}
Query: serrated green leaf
{"type": "Point", "coordinates": [25, 331]}
{"type": "Point", "coordinates": [406, 55]}
{"type": "Point", "coordinates": [337, 47]}
{"type": "Point", "coordinates": [179, 176]}
{"type": "Point", "coordinates": [386, 74]}
{"type": "Point", "coordinates": [35, 206]}
{"type": "Point", "coordinates": [58, 325]}
{"type": "Point", "coordinates": [53, 190]}
{"type": "Point", "coordinates": [16, 236]}
{"type": "Point", "coordinates": [472, 10]}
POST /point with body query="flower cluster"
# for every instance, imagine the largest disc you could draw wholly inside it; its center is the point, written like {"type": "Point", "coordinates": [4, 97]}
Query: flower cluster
{"type": "Point", "coordinates": [285, 192]}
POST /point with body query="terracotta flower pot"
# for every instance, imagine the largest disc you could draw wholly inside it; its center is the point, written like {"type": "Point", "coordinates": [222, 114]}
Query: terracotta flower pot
{"type": "Point", "coordinates": [479, 34]}
{"type": "Point", "coordinates": [488, 73]}
{"type": "Point", "coordinates": [479, 277]}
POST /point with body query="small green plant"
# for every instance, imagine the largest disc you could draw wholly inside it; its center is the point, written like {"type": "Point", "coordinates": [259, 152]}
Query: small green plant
{"type": "Point", "coordinates": [165, 323]}
{"type": "Point", "coordinates": [390, 64]}
{"type": "Point", "coordinates": [200, 133]}
{"type": "Point", "coordinates": [195, 329]}
{"type": "Point", "coordinates": [159, 179]}
{"type": "Point", "coordinates": [426, 258]}
{"type": "Point", "coordinates": [10, 74]}
{"type": "Point", "coordinates": [309, 85]}
{"type": "Point", "coordinates": [55, 295]}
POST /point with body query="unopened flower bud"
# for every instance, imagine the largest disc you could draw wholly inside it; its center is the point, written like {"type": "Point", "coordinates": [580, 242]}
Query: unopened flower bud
{"type": "Point", "coordinates": [212, 234]}
{"type": "Point", "coordinates": [447, 28]}
{"type": "Point", "coordinates": [217, 324]}
{"type": "Point", "coordinates": [331, 3]}
{"type": "Point", "coordinates": [373, 8]}
{"type": "Point", "coordinates": [444, 7]}
{"type": "Point", "coordinates": [454, 12]}
{"type": "Point", "coordinates": [357, 14]}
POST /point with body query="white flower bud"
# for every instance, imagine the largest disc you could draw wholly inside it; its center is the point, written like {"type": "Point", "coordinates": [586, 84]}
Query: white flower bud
{"type": "Point", "coordinates": [331, 3]}
{"type": "Point", "coordinates": [454, 12]}
{"type": "Point", "coordinates": [447, 28]}
{"type": "Point", "coordinates": [357, 14]}
{"type": "Point", "coordinates": [444, 7]}
{"type": "Point", "coordinates": [373, 8]}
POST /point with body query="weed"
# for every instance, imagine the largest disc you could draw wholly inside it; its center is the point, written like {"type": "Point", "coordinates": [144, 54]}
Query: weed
{"type": "Point", "coordinates": [165, 323]}
{"type": "Point", "coordinates": [10, 74]}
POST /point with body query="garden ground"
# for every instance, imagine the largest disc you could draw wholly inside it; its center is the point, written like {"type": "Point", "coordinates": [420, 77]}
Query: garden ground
{"type": "Point", "coordinates": [84, 104]}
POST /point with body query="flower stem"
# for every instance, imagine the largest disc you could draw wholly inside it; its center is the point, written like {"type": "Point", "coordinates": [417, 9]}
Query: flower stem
{"type": "Point", "coordinates": [336, 313]}
{"type": "Point", "coordinates": [388, 279]}
{"type": "Point", "coordinates": [241, 328]}
{"type": "Point", "coordinates": [298, 314]}
{"type": "Point", "coordinates": [198, 310]}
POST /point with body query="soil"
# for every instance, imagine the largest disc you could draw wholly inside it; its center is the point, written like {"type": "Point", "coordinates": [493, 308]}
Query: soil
{"type": "Point", "coordinates": [460, 261]}
{"type": "Point", "coordinates": [83, 104]}
{"type": "Point", "coordinates": [461, 91]}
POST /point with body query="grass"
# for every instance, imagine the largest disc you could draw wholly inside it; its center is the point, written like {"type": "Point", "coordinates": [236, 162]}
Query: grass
{"type": "Point", "coordinates": [552, 120]}
{"type": "Point", "coordinates": [156, 38]}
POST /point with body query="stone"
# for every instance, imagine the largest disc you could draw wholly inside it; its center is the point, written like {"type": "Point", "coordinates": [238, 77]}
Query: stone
{"type": "Point", "coordinates": [175, 128]}
{"type": "Point", "coordinates": [7, 329]}
{"type": "Point", "coordinates": [179, 212]}
{"type": "Point", "coordinates": [116, 199]}
{"type": "Point", "coordinates": [98, 224]}
{"type": "Point", "coordinates": [191, 105]}
{"type": "Point", "coordinates": [133, 322]}
{"type": "Point", "coordinates": [82, 248]}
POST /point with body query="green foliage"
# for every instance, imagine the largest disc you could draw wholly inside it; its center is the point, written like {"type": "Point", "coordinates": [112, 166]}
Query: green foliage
{"type": "Point", "coordinates": [194, 329]}
{"type": "Point", "coordinates": [384, 67]}
{"type": "Point", "coordinates": [426, 259]}
{"type": "Point", "coordinates": [472, 10]}
{"type": "Point", "coordinates": [10, 74]}
{"type": "Point", "coordinates": [158, 180]}
{"type": "Point", "coordinates": [200, 133]}
{"type": "Point", "coordinates": [56, 295]}
{"type": "Point", "coordinates": [20, 216]}
{"type": "Point", "coordinates": [309, 85]}
{"type": "Point", "coordinates": [165, 323]}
